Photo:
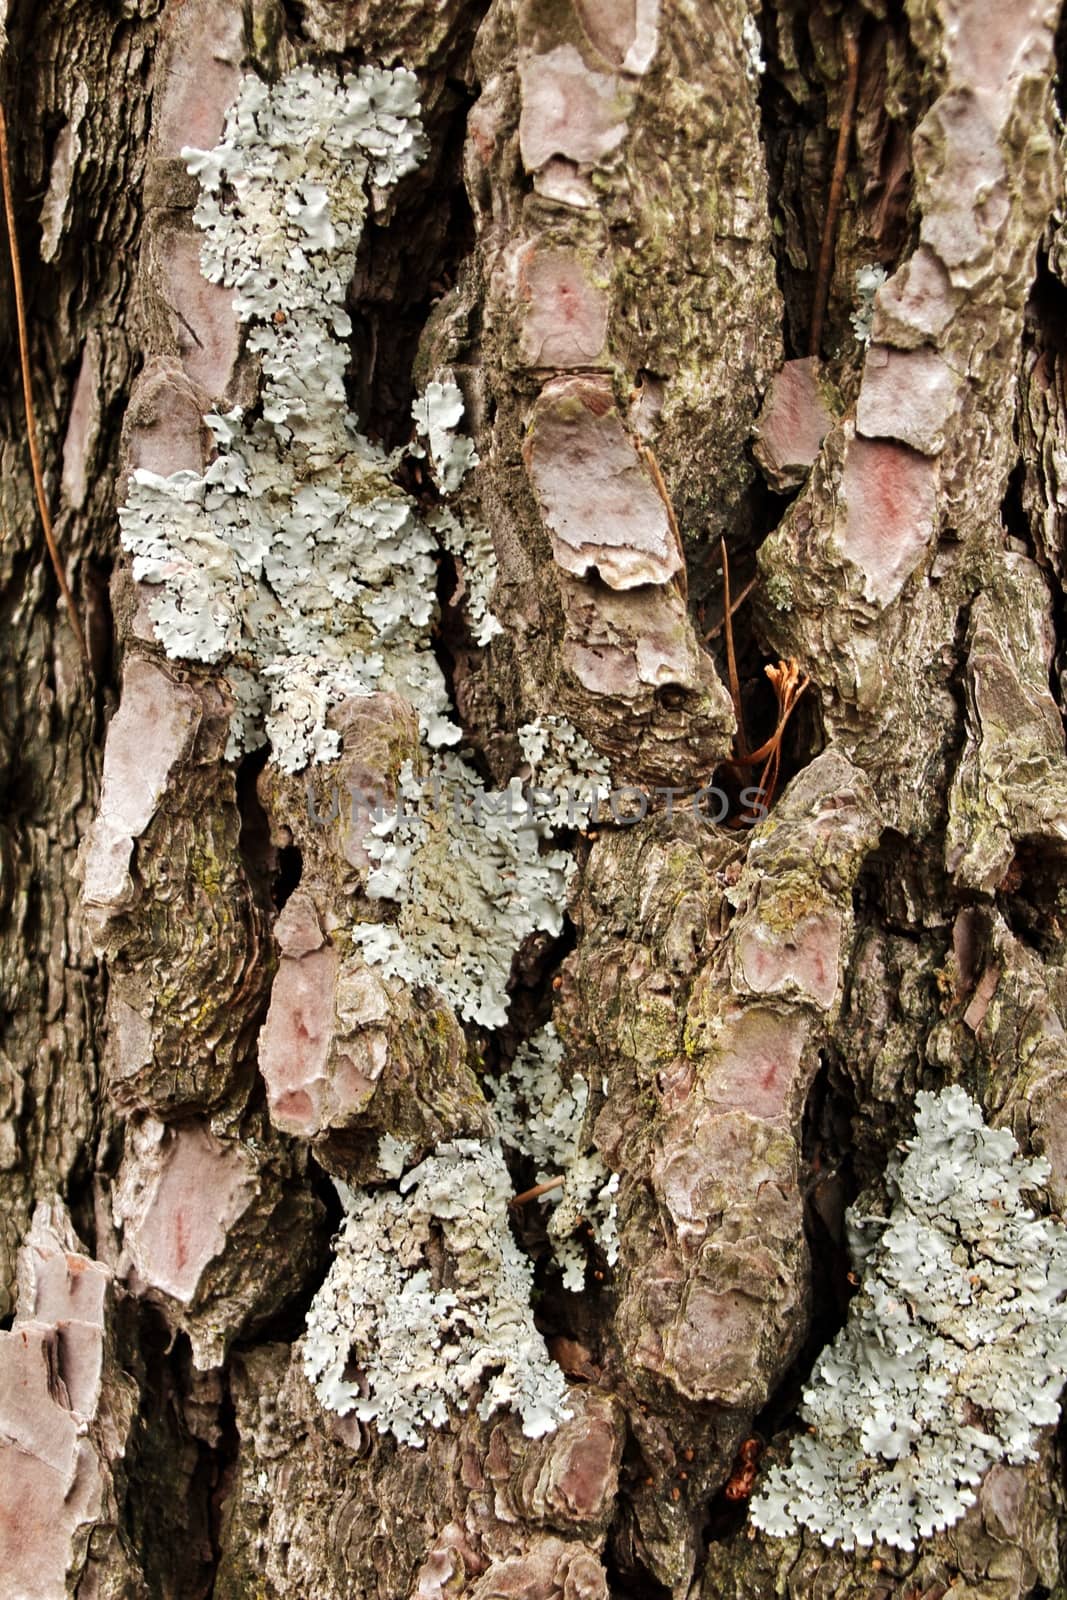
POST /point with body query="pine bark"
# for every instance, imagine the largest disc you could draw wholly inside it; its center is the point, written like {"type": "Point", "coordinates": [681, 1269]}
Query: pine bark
{"type": "Point", "coordinates": [615, 236]}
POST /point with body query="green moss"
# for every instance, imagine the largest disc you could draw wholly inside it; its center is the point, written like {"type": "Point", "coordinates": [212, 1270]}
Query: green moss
{"type": "Point", "coordinates": [654, 1035]}
{"type": "Point", "coordinates": [800, 898]}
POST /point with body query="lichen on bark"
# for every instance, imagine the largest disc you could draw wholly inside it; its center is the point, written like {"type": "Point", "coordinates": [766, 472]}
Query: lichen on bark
{"type": "Point", "coordinates": [607, 258]}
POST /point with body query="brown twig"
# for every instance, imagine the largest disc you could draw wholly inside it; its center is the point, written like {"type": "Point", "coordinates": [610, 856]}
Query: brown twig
{"type": "Point", "coordinates": [731, 659]}
{"type": "Point", "coordinates": [713, 633]}
{"type": "Point", "coordinates": [536, 1192]}
{"type": "Point", "coordinates": [788, 688]}
{"type": "Point", "coordinates": [789, 685]}
{"type": "Point", "coordinates": [837, 187]}
{"type": "Point", "coordinates": [27, 391]}
{"type": "Point", "coordinates": [653, 466]}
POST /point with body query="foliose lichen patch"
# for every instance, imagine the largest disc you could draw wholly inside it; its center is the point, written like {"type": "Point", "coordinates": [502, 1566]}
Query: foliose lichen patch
{"type": "Point", "coordinates": [955, 1349]}
{"type": "Point", "coordinates": [542, 1115]}
{"type": "Point", "coordinates": [420, 1344]}
{"type": "Point", "coordinates": [297, 563]}
{"type": "Point", "coordinates": [466, 868]}
{"type": "Point", "coordinates": [294, 559]}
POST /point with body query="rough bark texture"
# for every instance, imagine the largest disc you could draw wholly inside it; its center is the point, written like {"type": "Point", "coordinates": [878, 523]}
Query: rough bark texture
{"type": "Point", "coordinates": [611, 248]}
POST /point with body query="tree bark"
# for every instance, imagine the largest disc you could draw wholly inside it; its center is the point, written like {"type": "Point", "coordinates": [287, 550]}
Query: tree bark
{"type": "Point", "coordinates": [611, 246]}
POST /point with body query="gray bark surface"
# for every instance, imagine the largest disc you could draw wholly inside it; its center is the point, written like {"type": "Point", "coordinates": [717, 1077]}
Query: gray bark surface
{"type": "Point", "coordinates": [611, 246]}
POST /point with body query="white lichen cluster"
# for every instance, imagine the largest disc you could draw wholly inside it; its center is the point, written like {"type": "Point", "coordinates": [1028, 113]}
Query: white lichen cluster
{"type": "Point", "coordinates": [752, 42]}
{"type": "Point", "coordinates": [428, 1299]}
{"type": "Point", "coordinates": [295, 560]}
{"type": "Point", "coordinates": [955, 1349]}
{"type": "Point", "coordinates": [298, 563]}
{"type": "Point", "coordinates": [476, 567]}
{"type": "Point", "coordinates": [467, 869]}
{"type": "Point", "coordinates": [541, 1115]}
{"type": "Point", "coordinates": [868, 282]}
{"type": "Point", "coordinates": [437, 415]}
{"type": "Point", "coordinates": [567, 776]}
{"type": "Point", "coordinates": [393, 1155]}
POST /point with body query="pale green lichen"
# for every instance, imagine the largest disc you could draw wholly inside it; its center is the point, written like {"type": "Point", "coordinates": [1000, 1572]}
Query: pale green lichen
{"type": "Point", "coordinates": [752, 42]}
{"type": "Point", "coordinates": [437, 413]}
{"type": "Point", "coordinates": [468, 870]}
{"type": "Point", "coordinates": [779, 591]}
{"type": "Point", "coordinates": [299, 564]}
{"type": "Point", "coordinates": [421, 1338]}
{"type": "Point", "coordinates": [955, 1349]}
{"type": "Point", "coordinates": [295, 559]}
{"type": "Point", "coordinates": [542, 1115]}
{"type": "Point", "coordinates": [472, 547]}
{"type": "Point", "coordinates": [868, 282]}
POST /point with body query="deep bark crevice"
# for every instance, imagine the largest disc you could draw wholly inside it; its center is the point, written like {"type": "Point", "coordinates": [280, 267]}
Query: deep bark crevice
{"type": "Point", "coordinates": [404, 267]}
{"type": "Point", "coordinates": [1033, 902]}
{"type": "Point", "coordinates": [831, 1185]}
{"type": "Point", "coordinates": [259, 855]}
{"type": "Point", "coordinates": [287, 877]}
{"type": "Point", "coordinates": [630, 1580]}
{"type": "Point", "coordinates": [171, 1473]}
{"type": "Point", "coordinates": [875, 225]}
{"type": "Point", "coordinates": [1043, 362]}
